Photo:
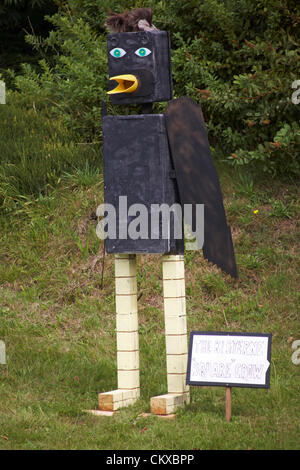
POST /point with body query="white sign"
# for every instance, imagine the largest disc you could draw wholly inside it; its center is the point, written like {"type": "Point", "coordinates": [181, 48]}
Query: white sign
{"type": "Point", "coordinates": [229, 359]}
{"type": "Point", "coordinates": [2, 92]}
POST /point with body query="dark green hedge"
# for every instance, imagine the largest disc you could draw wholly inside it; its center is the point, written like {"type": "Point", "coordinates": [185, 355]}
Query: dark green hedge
{"type": "Point", "coordinates": [237, 58]}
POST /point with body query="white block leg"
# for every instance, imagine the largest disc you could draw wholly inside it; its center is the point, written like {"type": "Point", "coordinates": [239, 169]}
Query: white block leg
{"type": "Point", "coordinates": [176, 337]}
{"type": "Point", "coordinates": [127, 337]}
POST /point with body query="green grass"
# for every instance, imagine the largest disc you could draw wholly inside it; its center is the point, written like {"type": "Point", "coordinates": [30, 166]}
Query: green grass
{"type": "Point", "coordinates": [58, 322]}
{"type": "Point", "coordinates": [37, 152]}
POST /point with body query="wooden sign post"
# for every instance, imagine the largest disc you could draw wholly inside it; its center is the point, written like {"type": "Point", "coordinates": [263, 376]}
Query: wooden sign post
{"type": "Point", "coordinates": [230, 360]}
{"type": "Point", "coordinates": [228, 404]}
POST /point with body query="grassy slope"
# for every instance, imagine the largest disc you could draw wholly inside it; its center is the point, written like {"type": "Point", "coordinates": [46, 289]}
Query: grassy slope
{"type": "Point", "coordinates": [58, 325]}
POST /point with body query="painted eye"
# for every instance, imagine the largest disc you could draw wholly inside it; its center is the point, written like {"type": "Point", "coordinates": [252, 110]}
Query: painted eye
{"type": "Point", "coordinates": [142, 52]}
{"type": "Point", "coordinates": [117, 52]}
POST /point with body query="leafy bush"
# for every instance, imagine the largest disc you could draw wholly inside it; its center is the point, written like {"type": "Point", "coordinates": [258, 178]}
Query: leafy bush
{"type": "Point", "coordinates": [237, 58]}
{"type": "Point", "coordinates": [74, 85]}
{"type": "Point", "coordinates": [241, 71]}
{"type": "Point", "coordinates": [17, 17]}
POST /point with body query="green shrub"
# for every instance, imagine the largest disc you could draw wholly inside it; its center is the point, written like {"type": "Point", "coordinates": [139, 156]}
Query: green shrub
{"type": "Point", "coordinates": [237, 58]}
{"type": "Point", "coordinates": [17, 17]}
{"type": "Point", "coordinates": [74, 85]}
{"type": "Point", "coordinates": [241, 70]}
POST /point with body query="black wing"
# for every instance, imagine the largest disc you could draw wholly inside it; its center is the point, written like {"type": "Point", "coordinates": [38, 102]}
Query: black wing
{"type": "Point", "coordinates": [197, 179]}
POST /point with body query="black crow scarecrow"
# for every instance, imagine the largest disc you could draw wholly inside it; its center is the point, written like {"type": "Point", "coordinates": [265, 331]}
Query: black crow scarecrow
{"type": "Point", "coordinates": [157, 168]}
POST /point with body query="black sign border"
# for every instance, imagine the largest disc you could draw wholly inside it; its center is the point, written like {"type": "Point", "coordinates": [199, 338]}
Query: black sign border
{"type": "Point", "coordinates": [227, 384]}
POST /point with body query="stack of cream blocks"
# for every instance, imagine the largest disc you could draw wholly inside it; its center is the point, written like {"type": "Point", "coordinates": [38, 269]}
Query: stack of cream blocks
{"type": "Point", "coordinates": [176, 337]}
{"type": "Point", "coordinates": [128, 342]}
{"type": "Point", "coordinates": [127, 337]}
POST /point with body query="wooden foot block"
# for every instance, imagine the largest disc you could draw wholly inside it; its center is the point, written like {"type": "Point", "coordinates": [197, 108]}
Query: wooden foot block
{"type": "Point", "coordinates": [167, 404]}
{"type": "Point", "coordinates": [101, 412]}
{"type": "Point", "coordinates": [116, 399]}
{"type": "Point", "coordinates": [109, 401]}
{"type": "Point", "coordinates": [147, 415]}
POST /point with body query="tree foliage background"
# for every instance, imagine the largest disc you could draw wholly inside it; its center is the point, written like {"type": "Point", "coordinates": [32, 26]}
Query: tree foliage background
{"type": "Point", "coordinates": [17, 17]}
{"type": "Point", "coordinates": [237, 58]}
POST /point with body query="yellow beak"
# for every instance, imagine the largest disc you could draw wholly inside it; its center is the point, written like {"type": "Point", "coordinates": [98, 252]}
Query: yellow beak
{"type": "Point", "coordinates": [126, 84]}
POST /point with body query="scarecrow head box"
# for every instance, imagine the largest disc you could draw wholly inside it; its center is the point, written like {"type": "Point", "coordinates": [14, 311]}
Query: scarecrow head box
{"type": "Point", "coordinates": [139, 67]}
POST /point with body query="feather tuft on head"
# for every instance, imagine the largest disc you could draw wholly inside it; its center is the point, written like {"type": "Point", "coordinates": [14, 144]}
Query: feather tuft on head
{"type": "Point", "coordinates": [130, 21]}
